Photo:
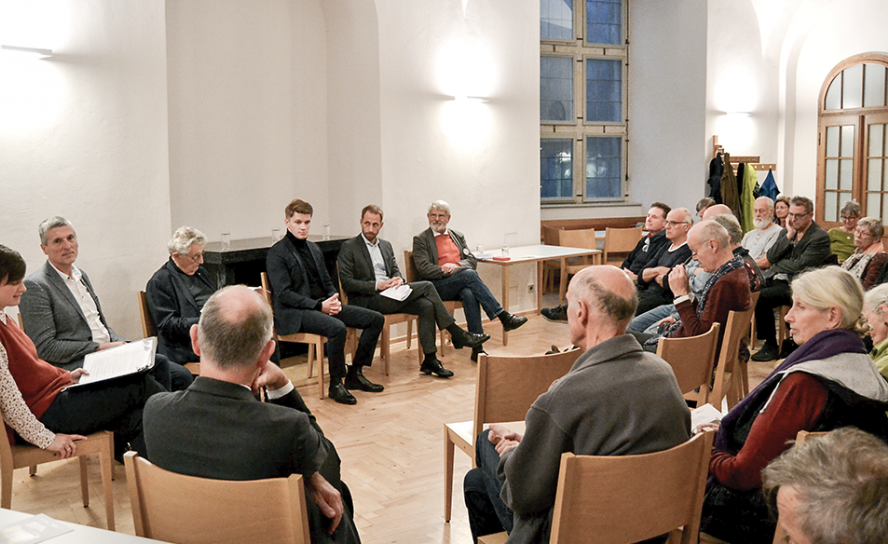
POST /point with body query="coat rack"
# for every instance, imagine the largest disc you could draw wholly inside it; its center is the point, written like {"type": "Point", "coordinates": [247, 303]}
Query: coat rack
{"type": "Point", "coordinates": [752, 160]}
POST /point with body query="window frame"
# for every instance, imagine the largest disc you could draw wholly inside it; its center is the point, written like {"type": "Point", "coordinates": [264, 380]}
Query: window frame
{"type": "Point", "coordinates": [580, 128]}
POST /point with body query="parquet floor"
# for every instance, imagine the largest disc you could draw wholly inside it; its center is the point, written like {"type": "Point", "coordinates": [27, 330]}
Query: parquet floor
{"type": "Point", "coordinates": [391, 445]}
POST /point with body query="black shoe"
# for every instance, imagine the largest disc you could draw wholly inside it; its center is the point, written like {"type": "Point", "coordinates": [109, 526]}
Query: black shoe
{"type": "Point", "coordinates": [434, 366]}
{"type": "Point", "coordinates": [788, 347]}
{"type": "Point", "coordinates": [339, 393]}
{"type": "Point", "coordinates": [356, 381]}
{"type": "Point", "coordinates": [476, 353]}
{"type": "Point", "coordinates": [511, 322]}
{"type": "Point", "coordinates": [463, 339]}
{"type": "Point", "coordinates": [767, 353]}
{"type": "Point", "coordinates": [553, 350]}
{"type": "Point", "coordinates": [557, 314]}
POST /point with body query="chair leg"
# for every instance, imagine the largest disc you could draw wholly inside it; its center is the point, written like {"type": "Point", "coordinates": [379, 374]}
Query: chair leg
{"type": "Point", "coordinates": [84, 484]}
{"type": "Point", "coordinates": [448, 475]}
{"type": "Point", "coordinates": [33, 470]}
{"type": "Point", "coordinates": [319, 351]}
{"type": "Point", "coordinates": [6, 488]}
{"type": "Point", "coordinates": [409, 333]}
{"type": "Point", "coordinates": [310, 360]}
{"type": "Point", "coordinates": [108, 475]}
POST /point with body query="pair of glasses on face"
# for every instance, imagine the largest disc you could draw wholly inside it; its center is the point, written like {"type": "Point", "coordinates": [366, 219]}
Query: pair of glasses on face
{"type": "Point", "coordinates": [195, 258]}
{"type": "Point", "coordinates": [797, 215]}
{"type": "Point", "coordinates": [673, 223]}
{"type": "Point", "coordinates": [849, 217]}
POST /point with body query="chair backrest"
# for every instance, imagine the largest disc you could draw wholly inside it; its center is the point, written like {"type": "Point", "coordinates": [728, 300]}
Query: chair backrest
{"type": "Point", "coordinates": [692, 360]}
{"type": "Point", "coordinates": [550, 235]}
{"type": "Point", "coordinates": [620, 240]}
{"type": "Point", "coordinates": [628, 498]}
{"type": "Point", "coordinates": [188, 510]}
{"type": "Point", "coordinates": [149, 328]}
{"type": "Point", "coordinates": [266, 292]}
{"type": "Point", "coordinates": [737, 328]}
{"type": "Point", "coordinates": [508, 385]}
{"type": "Point", "coordinates": [410, 272]}
{"type": "Point", "coordinates": [582, 238]}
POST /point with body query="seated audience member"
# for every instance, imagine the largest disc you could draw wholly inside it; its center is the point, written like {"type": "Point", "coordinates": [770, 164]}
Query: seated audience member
{"type": "Point", "coordinates": [702, 204]}
{"type": "Point", "coordinates": [875, 310]}
{"type": "Point", "coordinates": [841, 239]}
{"type": "Point", "coordinates": [716, 209]}
{"type": "Point", "coordinates": [646, 249]}
{"type": "Point", "coordinates": [305, 300]}
{"type": "Point", "coordinates": [35, 397]}
{"type": "Point", "coordinates": [802, 244]}
{"type": "Point", "coordinates": [868, 259]}
{"type": "Point", "coordinates": [62, 313]}
{"type": "Point", "coordinates": [177, 292]}
{"type": "Point", "coordinates": [757, 242]}
{"type": "Point", "coordinates": [781, 210]}
{"type": "Point", "coordinates": [367, 267]}
{"type": "Point", "coordinates": [616, 400]}
{"type": "Point", "coordinates": [217, 429]}
{"type": "Point", "coordinates": [442, 257]}
{"type": "Point", "coordinates": [727, 288]}
{"type": "Point", "coordinates": [831, 489]}
{"type": "Point", "coordinates": [829, 382]}
{"type": "Point", "coordinates": [653, 288]}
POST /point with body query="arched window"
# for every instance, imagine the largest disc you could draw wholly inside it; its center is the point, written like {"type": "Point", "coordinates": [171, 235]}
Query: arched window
{"type": "Point", "coordinates": [851, 146]}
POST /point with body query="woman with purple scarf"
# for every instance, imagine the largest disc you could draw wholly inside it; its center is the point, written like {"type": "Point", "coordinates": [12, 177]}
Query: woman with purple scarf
{"type": "Point", "coordinates": [827, 383]}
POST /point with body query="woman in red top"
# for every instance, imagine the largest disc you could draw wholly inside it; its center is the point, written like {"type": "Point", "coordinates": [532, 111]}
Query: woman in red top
{"type": "Point", "coordinates": [827, 383]}
{"type": "Point", "coordinates": [34, 397]}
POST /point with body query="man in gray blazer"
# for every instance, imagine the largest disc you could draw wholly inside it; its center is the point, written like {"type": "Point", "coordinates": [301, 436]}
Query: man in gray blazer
{"type": "Point", "coordinates": [367, 267]}
{"type": "Point", "coordinates": [442, 257]}
{"type": "Point", "coordinates": [63, 316]}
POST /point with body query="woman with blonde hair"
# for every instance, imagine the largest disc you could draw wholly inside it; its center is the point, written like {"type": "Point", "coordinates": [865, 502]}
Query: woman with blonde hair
{"type": "Point", "coordinates": [827, 383]}
{"type": "Point", "coordinates": [868, 259]}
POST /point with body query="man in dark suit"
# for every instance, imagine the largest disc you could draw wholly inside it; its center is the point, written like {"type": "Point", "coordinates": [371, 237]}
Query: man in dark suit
{"type": "Point", "coordinates": [305, 300]}
{"type": "Point", "coordinates": [177, 292]}
{"type": "Point", "coordinates": [62, 313]}
{"type": "Point", "coordinates": [442, 257]}
{"type": "Point", "coordinates": [802, 244]}
{"type": "Point", "coordinates": [367, 268]}
{"type": "Point", "coordinates": [217, 429]}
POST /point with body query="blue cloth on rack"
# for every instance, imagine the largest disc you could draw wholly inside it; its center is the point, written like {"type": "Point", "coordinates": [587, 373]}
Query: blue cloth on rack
{"type": "Point", "coordinates": [769, 187]}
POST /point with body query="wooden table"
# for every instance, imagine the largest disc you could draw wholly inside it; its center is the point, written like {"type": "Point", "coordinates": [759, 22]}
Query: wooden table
{"type": "Point", "coordinates": [538, 254]}
{"type": "Point", "coordinates": [81, 534]}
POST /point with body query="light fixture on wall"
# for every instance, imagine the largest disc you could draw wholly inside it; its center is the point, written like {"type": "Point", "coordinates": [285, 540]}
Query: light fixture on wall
{"type": "Point", "coordinates": [34, 51]}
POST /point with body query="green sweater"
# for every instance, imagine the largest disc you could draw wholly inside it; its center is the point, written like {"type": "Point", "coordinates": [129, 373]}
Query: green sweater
{"type": "Point", "coordinates": [841, 243]}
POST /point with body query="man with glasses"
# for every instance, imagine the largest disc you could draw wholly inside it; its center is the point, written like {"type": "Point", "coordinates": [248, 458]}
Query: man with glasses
{"type": "Point", "coordinates": [648, 247]}
{"type": "Point", "coordinates": [177, 293]}
{"type": "Point", "coordinates": [653, 283]}
{"type": "Point", "coordinates": [802, 244]}
{"type": "Point", "coordinates": [62, 314]}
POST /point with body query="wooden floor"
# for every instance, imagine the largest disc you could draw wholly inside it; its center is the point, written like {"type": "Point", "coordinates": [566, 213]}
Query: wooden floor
{"type": "Point", "coordinates": [391, 445]}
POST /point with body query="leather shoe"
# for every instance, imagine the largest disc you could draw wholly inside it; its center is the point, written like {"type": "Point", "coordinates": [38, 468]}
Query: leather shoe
{"type": "Point", "coordinates": [557, 314]}
{"type": "Point", "coordinates": [511, 322]}
{"type": "Point", "coordinates": [788, 347]}
{"type": "Point", "coordinates": [767, 353]}
{"type": "Point", "coordinates": [340, 394]}
{"type": "Point", "coordinates": [356, 381]}
{"type": "Point", "coordinates": [463, 339]}
{"type": "Point", "coordinates": [434, 366]}
{"type": "Point", "coordinates": [476, 353]}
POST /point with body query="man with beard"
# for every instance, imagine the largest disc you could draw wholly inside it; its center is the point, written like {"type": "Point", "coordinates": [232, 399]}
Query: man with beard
{"type": "Point", "coordinates": [760, 240]}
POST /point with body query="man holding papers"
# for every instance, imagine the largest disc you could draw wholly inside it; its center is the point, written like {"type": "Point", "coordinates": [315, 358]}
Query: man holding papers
{"type": "Point", "coordinates": [305, 300]}
{"type": "Point", "coordinates": [367, 270]}
{"type": "Point", "coordinates": [62, 313]}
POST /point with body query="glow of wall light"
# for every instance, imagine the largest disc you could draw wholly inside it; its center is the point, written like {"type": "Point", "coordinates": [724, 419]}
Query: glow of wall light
{"type": "Point", "coordinates": [31, 93]}
{"type": "Point", "coordinates": [466, 123]}
{"type": "Point", "coordinates": [736, 132]}
{"type": "Point", "coordinates": [465, 68]}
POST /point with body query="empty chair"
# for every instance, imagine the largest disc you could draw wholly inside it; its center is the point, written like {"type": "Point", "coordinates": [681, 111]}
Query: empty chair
{"type": "Point", "coordinates": [618, 243]}
{"type": "Point", "coordinates": [189, 510]}
{"type": "Point", "coordinates": [692, 359]}
{"type": "Point", "coordinates": [580, 238]}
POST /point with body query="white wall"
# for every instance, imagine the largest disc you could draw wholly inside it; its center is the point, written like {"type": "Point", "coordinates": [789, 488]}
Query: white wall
{"type": "Point", "coordinates": [668, 160]}
{"type": "Point", "coordinates": [84, 135]}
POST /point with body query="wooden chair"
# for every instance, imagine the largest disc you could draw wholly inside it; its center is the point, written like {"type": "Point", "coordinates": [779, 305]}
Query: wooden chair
{"type": "Point", "coordinates": [801, 437]}
{"type": "Point", "coordinates": [505, 388]}
{"type": "Point", "coordinates": [581, 238]}
{"type": "Point", "coordinates": [620, 242]}
{"type": "Point", "coordinates": [628, 498]}
{"type": "Point", "coordinates": [189, 510]}
{"type": "Point", "coordinates": [692, 360]}
{"type": "Point", "coordinates": [411, 274]}
{"type": "Point", "coordinates": [728, 371]}
{"type": "Point", "coordinates": [550, 238]}
{"type": "Point", "coordinates": [149, 328]}
{"type": "Point", "coordinates": [101, 443]}
{"type": "Point", "coordinates": [315, 341]}
{"type": "Point", "coordinates": [782, 332]}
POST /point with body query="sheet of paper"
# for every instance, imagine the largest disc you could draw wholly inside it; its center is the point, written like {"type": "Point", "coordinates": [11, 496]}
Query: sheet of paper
{"type": "Point", "coordinates": [398, 293]}
{"type": "Point", "coordinates": [32, 530]}
{"type": "Point", "coordinates": [126, 359]}
{"type": "Point", "coordinates": [703, 415]}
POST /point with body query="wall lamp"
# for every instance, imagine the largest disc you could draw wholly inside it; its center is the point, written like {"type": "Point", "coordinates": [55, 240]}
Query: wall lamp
{"type": "Point", "coordinates": [39, 53]}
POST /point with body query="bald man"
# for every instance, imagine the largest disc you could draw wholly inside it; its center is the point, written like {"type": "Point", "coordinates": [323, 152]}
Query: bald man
{"type": "Point", "coordinates": [616, 400]}
{"type": "Point", "coordinates": [717, 209]}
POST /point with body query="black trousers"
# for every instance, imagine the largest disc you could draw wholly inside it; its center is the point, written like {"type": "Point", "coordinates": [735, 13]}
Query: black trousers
{"type": "Point", "coordinates": [113, 405]}
{"type": "Point", "coordinates": [334, 327]}
{"type": "Point", "coordinates": [423, 302]}
{"type": "Point", "coordinates": [773, 295]}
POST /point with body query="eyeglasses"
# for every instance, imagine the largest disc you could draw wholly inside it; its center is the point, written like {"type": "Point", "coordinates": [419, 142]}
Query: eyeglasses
{"type": "Point", "coordinates": [797, 215]}
{"type": "Point", "coordinates": [673, 223]}
{"type": "Point", "coordinates": [863, 233]}
{"type": "Point", "coordinates": [849, 217]}
{"type": "Point", "coordinates": [196, 258]}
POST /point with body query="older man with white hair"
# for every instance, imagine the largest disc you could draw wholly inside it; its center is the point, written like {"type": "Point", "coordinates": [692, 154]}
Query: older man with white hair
{"type": "Point", "coordinates": [760, 240]}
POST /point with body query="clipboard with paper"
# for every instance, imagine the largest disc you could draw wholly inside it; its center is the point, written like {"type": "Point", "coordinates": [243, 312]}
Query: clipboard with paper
{"type": "Point", "coordinates": [130, 358]}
